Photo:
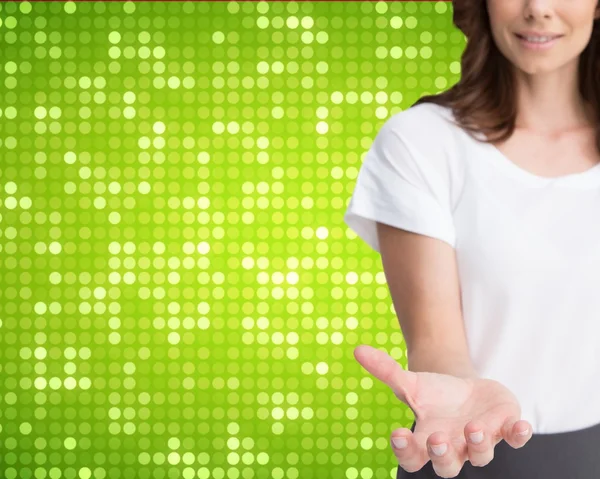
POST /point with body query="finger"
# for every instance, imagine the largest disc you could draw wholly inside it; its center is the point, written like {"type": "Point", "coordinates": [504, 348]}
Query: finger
{"type": "Point", "coordinates": [512, 429]}
{"type": "Point", "coordinates": [480, 443]}
{"type": "Point", "coordinates": [412, 457]}
{"type": "Point", "coordinates": [443, 454]}
{"type": "Point", "coordinates": [386, 369]}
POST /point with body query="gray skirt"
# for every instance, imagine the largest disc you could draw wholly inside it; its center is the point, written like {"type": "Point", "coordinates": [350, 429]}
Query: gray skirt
{"type": "Point", "coordinates": [565, 455]}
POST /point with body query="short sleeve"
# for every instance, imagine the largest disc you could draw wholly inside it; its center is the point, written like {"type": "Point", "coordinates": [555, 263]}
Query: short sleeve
{"type": "Point", "coordinates": [401, 183]}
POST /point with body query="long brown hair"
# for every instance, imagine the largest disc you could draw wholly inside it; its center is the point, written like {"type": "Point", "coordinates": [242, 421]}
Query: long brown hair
{"type": "Point", "coordinates": [484, 99]}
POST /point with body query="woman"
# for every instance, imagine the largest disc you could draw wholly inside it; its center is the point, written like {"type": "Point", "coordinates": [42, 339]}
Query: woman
{"type": "Point", "coordinates": [496, 182]}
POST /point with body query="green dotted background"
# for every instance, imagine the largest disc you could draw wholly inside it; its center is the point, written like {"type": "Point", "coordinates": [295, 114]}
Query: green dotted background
{"type": "Point", "coordinates": [179, 296]}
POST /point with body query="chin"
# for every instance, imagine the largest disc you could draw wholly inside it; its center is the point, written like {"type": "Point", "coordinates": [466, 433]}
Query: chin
{"type": "Point", "coordinates": [536, 71]}
{"type": "Point", "coordinates": [534, 67]}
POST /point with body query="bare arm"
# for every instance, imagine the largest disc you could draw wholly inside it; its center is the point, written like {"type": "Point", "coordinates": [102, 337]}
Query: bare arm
{"type": "Point", "coordinates": [443, 361]}
{"type": "Point", "coordinates": [422, 276]}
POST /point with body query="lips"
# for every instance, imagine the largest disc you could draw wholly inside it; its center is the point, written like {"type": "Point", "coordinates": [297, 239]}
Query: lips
{"type": "Point", "coordinates": [552, 37]}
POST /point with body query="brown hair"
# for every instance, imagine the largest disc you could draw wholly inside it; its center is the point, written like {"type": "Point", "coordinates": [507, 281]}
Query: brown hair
{"type": "Point", "coordinates": [484, 99]}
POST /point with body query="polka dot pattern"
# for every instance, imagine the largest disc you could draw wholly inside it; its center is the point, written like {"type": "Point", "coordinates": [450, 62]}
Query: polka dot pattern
{"type": "Point", "coordinates": [179, 296]}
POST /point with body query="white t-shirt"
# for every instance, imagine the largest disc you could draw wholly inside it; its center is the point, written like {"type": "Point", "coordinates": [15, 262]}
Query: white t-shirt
{"type": "Point", "coordinates": [528, 252]}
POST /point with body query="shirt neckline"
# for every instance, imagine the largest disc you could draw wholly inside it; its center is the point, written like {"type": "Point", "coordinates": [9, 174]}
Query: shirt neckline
{"type": "Point", "coordinates": [582, 180]}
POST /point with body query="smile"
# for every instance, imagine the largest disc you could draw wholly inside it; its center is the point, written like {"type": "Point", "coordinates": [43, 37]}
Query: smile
{"type": "Point", "coordinates": [537, 44]}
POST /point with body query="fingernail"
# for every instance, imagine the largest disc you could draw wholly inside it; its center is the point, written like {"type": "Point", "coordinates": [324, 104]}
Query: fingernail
{"type": "Point", "coordinates": [476, 437]}
{"type": "Point", "coordinates": [523, 433]}
{"type": "Point", "coordinates": [439, 449]}
{"type": "Point", "coordinates": [400, 442]}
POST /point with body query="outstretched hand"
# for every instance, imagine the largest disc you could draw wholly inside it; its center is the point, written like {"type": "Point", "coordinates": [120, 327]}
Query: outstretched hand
{"type": "Point", "coordinates": [448, 410]}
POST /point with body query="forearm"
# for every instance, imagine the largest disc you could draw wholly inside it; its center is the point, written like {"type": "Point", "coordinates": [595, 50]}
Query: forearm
{"type": "Point", "coordinates": [434, 361]}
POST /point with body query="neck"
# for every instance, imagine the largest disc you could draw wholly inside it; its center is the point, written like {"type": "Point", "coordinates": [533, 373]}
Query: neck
{"type": "Point", "coordinates": [551, 101]}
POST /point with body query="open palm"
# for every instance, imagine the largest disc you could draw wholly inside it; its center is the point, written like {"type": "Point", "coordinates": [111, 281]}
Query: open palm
{"type": "Point", "coordinates": [447, 410]}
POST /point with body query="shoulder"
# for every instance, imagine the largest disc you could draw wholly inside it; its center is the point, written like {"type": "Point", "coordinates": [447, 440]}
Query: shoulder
{"type": "Point", "coordinates": [425, 119]}
{"type": "Point", "coordinates": [426, 132]}
{"type": "Point", "coordinates": [427, 129]}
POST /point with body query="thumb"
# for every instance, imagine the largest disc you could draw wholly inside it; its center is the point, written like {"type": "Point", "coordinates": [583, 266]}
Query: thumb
{"type": "Point", "coordinates": [385, 368]}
